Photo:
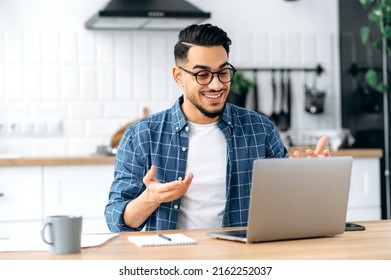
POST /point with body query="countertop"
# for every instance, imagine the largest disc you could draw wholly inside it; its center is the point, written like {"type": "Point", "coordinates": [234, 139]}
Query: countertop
{"type": "Point", "coordinates": [96, 160]}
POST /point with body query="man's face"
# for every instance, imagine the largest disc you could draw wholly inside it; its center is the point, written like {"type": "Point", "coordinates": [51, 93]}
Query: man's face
{"type": "Point", "coordinates": [203, 103]}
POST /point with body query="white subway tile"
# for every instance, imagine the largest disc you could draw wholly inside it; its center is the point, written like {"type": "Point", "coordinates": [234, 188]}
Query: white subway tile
{"type": "Point", "coordinates": [50, 46]}
{"type": "Point", "coordinates": [121, 110]}
{"type": "Point", "coordinates": [1, 83]}
{"type": "Point", "coordinates": [74, 128]}
{"type": "Point", "coordinates": [1, 47]}
{"type": "Point", "coordinates": [32, 89]}
{"type": "Point", "coordinates": [123, 81]}
{"type": "Point", "coordinates": [15, 146]}
{"type": "Point", "coordinates": [158, 83]}
{"type": "Point", "coordinates": [142, 83]}
{"type": "Point", "coordinates": [49, 110]}
{"type": "Point", "coordinates": [105, 83]}
{"type": "Point", "coordinates": [88, 83]}
{"type": "Point", "coordinates": [15, 110]}
{"type": "Point", "coordinates": [158, 50]}
{"type": "Point", "coordinates": [32, 46]}
{"type": "Point", "coordinates": [243, 48]}
{"type": "Point", "coordinates": [86, 111]}
{"type": "Point", "coordinates": [308, 49]}
{"type": "Point", "coordinates": [13, 83]}
{"type": "Point", "coordinates": [140, 47]}
{"type": "Point", "coordinates": [292, 52]}
{"type": "Point", "coordinates": [51, 83]}
{"type": "Point", "coordinates": [123, 47]}
{"type": "Point", "coordinates": [70, 83]}
{"type": "Point", "coordinates": [87, 147]}
{"type": "Point", "coordinates": [260, 49]}
{"type": "Point", "coordinates": [105, 47]}
{"type": "Point", "coordinates": [87, 46]}
{"type": "Point", "coordinates": [276, 47]}
{"type": "Point", "coordinates": [13, 46]}
{"type": "Point", "coordinates": [50, 147]}
{"type": "Point", "coordinates": [102, 128]}
{"type": "Point", "coordinates": [69, 47]}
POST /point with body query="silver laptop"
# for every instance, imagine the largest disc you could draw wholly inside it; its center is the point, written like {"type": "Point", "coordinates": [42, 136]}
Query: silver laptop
{"type": "Point", "coordinates": [296, 198]}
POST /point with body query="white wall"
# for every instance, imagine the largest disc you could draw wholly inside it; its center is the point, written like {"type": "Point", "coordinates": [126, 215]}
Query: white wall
{"type": "Point", "coordinates": [52, 68]}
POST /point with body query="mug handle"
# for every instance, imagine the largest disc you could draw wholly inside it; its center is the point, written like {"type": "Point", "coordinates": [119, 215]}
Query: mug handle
{"type": "Point", "coordinates": [43, 233]}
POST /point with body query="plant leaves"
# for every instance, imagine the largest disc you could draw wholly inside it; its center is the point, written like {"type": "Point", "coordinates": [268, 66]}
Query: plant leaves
{"type": "Point", "coordinates": [365, 32]}
{"type": "Point", "coordinates": [377, 45]}
{"type": "Point", "coordinates": [371, 78]}
{"type": "Point", "coordinates": [366, 3]}
{"type": "Point", "coordinates": [387, 32]}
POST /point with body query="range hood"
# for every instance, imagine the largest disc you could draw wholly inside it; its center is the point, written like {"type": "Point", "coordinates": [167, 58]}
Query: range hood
{"type": "Point", "coordinates": [146, 15]}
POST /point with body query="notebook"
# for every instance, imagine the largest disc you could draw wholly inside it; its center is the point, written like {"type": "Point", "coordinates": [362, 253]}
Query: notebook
{"type": "Point", "coordinates": [162, 240]}
{"type": "Point", "coordinates": [296, 198]}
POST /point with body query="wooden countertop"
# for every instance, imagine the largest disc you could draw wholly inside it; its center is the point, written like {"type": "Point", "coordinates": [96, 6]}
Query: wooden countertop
{"type": "Point", "coordinates": [84, 160]}
{"type": "Point", "coordinates": [52, 161]}
{"type": "Point", "coordinates": [374, 243]}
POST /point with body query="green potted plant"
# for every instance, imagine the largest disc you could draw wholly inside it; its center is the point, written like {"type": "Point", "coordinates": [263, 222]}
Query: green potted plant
{"type": "Point", "coordinates": [240, 86]}
{"type": "Point", "coordinates": [379, 15]}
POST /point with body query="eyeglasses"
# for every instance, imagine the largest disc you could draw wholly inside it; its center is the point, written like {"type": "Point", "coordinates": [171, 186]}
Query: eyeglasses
{"type": "Point", "coordinates": [205, 77]}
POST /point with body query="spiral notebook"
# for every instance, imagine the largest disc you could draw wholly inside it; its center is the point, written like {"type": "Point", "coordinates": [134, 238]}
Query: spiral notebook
{"type": "Point", "coordinates": [158, 240]}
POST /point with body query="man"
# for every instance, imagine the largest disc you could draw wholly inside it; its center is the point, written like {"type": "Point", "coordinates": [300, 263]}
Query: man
{"type": "Point", "coordinates": [190, 166]}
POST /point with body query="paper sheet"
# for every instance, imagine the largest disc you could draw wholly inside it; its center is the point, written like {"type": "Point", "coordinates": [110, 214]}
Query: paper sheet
{"type": "Point", "coordinates": [20, 244]}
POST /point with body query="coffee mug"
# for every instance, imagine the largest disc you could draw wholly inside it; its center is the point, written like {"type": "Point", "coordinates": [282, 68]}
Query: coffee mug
{"type": "Point", "coordinates": [64, 233]}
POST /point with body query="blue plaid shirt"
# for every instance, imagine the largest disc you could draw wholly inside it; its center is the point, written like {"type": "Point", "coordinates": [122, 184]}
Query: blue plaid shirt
{"type": "Point", "coordinates": [162, 139]}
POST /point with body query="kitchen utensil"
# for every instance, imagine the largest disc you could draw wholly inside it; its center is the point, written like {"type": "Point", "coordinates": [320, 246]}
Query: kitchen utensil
{"type": "Point", "coordinates": [288, 99]}
{"type": "Point", "coordinates": [274, 115]}
{"type": "Point", "coordinates": [314, 98]}
{"type": "Point", "coordinates": [282, 118]}
{"type": "Point", "coordinates": [255, 92]}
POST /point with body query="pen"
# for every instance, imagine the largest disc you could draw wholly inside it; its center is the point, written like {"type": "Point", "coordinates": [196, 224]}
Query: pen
{"type": "Point", "coordinates": [164, 237]}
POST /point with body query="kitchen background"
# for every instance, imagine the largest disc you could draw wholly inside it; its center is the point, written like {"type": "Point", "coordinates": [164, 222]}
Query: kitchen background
{"type": "Point", "coordinates": [64, 89]}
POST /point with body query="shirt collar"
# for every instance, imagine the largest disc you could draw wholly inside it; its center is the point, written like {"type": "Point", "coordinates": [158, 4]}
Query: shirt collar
{"type": "Point", "coordinates": [180, 121]}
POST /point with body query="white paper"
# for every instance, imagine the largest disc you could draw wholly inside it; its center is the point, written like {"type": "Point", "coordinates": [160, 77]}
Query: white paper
{"type": "Point", "coordinates": [19, 244]}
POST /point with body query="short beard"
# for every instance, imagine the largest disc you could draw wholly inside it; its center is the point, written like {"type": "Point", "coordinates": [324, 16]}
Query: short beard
{"type": "Point", "coordinates": [211, 115]}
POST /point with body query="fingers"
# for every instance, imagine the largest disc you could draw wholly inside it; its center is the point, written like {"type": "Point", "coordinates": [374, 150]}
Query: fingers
{"type": "Point", "coordinates": [320, 145]}
{"type": "Point", "coordinates": [319, 151]}
{"type": "Point", "coordinates": [164, 192]}
{"type": "Point", "coordinates": [150, 176]}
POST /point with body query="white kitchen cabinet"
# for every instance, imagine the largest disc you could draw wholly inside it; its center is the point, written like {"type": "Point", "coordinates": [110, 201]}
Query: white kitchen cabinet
{"type": "Point", "coordinates": [78, 190]}
{"type": "Point", "coordinates": [364, 195]}
{"type": "Point", "coordinates": [20, 200]}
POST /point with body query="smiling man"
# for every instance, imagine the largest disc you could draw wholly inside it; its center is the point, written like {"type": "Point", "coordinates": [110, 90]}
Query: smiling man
{"type": "Point", "coordinates": [190, 166]}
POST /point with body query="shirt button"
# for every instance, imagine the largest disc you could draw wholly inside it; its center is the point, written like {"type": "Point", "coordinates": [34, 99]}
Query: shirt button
{"type": "Point", "coordinates": [176, 206]}
{"type": "Point", "coordinates": [184, 149]}
{"type": "Point", "coordinates": [177, 128]}
{"type": "Point", "coordinates": [180, 178]}
{"type": "Point", "coordinates": [187, 128]}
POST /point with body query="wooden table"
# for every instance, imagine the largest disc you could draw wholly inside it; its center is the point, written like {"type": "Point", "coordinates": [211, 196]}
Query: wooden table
{"type": "Point", "coordinates": [372, 244]}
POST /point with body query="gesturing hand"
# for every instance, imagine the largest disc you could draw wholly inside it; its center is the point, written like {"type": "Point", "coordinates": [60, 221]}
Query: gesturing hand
{"type": "Point", "coordinates": [164, 192]}
{"type": "Point", "coordinates": [319, 151]}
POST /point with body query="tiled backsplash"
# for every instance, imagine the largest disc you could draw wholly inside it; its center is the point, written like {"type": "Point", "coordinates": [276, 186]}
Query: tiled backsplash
{"type": "Point", "coordinates": [95, 81]}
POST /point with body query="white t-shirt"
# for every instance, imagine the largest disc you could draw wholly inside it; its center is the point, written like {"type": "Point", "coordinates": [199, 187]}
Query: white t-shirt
{"type": "Point", "coordinates": [203, 204]}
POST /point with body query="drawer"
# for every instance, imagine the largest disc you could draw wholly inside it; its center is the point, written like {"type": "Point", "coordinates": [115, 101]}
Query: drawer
{"type": "Point", "coordinates": [21, 193]}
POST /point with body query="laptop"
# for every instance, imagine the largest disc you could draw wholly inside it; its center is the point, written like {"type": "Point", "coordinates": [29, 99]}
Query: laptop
{"type": "Point", "coordinates": [296, 198]}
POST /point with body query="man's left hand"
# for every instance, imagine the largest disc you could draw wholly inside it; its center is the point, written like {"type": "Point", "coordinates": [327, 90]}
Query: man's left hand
{"type": "Point", "coordinates": [319, 151]}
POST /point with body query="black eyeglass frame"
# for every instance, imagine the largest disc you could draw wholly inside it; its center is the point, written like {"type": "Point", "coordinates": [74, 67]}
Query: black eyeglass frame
{"type": "Point", "coordinates": [195, 74]}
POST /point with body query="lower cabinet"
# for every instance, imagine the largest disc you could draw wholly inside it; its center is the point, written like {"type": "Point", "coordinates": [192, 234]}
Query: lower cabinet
{"type": "Point", "coordinates": [20, 200]}
{"type": "Point", "coordinates": [29, 194]}
{"type": "Point", "coordinates": [78, 190]}
{"type": "Point", "coordinates": [364, 195]}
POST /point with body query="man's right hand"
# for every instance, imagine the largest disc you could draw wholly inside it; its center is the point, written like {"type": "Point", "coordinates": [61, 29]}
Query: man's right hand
{"type": "Point", "coordinates": [140, 208]}
{"type": "Point", "coordinates": [159, 193]}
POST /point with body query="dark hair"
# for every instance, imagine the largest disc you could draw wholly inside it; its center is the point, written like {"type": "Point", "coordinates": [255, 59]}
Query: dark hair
{"type": "Point", "coordinates": [201, 35]}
